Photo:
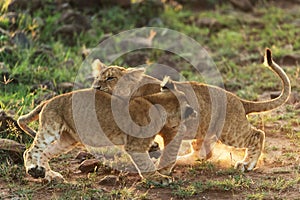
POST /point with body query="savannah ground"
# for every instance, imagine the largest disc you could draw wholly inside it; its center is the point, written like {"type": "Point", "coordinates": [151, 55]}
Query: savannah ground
{"type": "Point", "coordinates": [42, 47]}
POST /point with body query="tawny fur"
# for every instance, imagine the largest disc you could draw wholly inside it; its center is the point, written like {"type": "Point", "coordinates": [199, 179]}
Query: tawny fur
{"type": "Point", "coordinates": [221, 120]}
{"type": "Point", "coordinates": [58, 130]}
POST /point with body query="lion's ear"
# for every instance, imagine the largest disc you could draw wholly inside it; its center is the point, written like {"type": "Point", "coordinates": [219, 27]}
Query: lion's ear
{"type": "Point", "coordinates": [97, 66]}
{"type": "Point", "coordinates": [135, 74]}
{"type": "Point", "coordinates": [167, 84]}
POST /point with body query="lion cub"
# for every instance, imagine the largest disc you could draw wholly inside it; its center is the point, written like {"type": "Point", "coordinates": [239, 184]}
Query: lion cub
{"type": "Point", "coordinates": [86, 117]}
{"type": "Point", "coordinates": [222, 115]}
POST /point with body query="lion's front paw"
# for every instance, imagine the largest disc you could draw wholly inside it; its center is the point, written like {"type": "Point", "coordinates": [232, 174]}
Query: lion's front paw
{"type": "Point", "coordinates": [36, 171]}
{"type": "Point", "coordinates": [167, 171]}
{"type": "Point", "coordinates": [164, 170]}
{"type": "Point", "coordinates": [159, 179]}
{"type": "Point", "coordinates": [240, 166]}
{"type": "Point", "coordinates": [245, 166]}
{"type": "Point", "coordinates": [53, 176]}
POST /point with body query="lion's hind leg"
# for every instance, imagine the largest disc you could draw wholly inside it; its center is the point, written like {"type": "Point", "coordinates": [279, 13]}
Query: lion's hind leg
{"type": "Point", "coordinates": [169, 156]}
{"type": "Point", "coordinates": [33, 156]}
{"type": "Point", "coordinates": [47, 144]}
{"type": "Point", "coordinates": [254, 144]}
{"type": "Point", "coordinates": [202, 149]}
{"type": "Point", "coordinates": [64, 144]}
{"type": "Point", "coordinates": [137, 149]}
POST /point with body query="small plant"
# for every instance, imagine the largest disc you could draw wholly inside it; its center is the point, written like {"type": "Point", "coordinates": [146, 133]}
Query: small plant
{"type": "Point", "coordinates": [12, 172]}
{"type": "Point", "coordinates": [256, 196]}
{"type": "Point", "coordinates": [204, 165]}
{"type": "Point", "coordinates": [124, 193]}
{"type": "Point", "coordinates": [279, 184]}
{"type": "Point", "coordinates": [229, 171]}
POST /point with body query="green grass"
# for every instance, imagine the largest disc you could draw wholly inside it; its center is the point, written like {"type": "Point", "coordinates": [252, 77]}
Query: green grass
{"type": "Point", "coordinates": [233, 183]}
{"type": "Point", "coordinates": [226, 44]}
{"type": "Point", "coordinates": [237, 184]}
{"type": "Point", "coordinates": [256, 196]}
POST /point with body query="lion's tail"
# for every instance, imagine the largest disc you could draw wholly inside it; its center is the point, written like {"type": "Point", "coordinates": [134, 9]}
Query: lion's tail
{"type": "Point", "coordinates": [32, 116]}
{"type": "Point", "coordinates": [251, 106]}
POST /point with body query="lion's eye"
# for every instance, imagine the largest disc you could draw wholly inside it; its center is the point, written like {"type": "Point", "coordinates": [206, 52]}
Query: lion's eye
{"type": "Point", "coordinates": [110, 78]}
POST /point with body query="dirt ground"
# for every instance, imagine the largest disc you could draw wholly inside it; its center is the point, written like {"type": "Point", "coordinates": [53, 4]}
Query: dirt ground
{"type": "Point", "coordinates": [276, 176]}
